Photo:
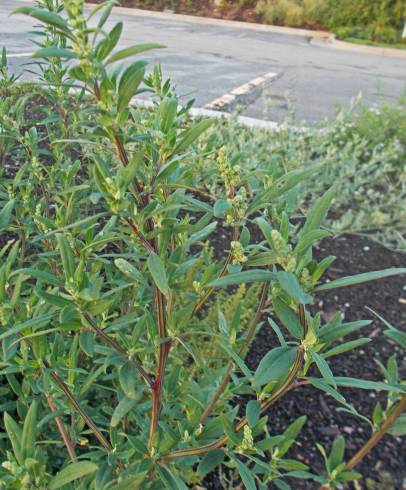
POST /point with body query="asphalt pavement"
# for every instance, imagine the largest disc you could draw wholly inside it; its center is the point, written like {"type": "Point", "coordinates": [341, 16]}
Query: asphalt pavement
{"type": "Point", "coordinates": [209, 59]}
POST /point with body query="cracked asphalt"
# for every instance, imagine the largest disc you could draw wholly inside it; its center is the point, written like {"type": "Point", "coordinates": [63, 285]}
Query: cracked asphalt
{"type": "Point", "coordinates": [208, 59]}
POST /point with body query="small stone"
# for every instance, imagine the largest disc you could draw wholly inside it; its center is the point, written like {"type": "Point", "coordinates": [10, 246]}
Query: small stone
{"type": "Point", "coordinates": [366, 248]}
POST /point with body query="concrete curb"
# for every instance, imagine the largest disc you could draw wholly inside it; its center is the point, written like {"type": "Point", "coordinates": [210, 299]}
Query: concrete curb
{"type": "Point", "coordinates": [249, 122]}
{"type": "Point", "coordinates": [362, 48]}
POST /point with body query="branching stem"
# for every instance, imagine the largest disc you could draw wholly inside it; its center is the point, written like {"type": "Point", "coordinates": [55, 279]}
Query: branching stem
{"type": "Point", "coordinates": [378, 434]}
{"type": "Point", "coordinates": [243, 349]}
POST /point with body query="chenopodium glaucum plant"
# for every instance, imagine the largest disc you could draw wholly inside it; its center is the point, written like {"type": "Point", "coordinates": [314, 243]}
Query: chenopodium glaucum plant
{"type": "Point", "coordinates": [109, 282]}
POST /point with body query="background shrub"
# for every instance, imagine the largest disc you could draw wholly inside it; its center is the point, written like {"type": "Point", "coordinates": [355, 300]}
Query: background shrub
{"type": "Point", "coordinates": [378, 20]}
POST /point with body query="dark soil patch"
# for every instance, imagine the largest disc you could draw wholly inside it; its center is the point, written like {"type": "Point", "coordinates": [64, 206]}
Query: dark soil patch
{"type": "Point", "coordinates": [387, 298]}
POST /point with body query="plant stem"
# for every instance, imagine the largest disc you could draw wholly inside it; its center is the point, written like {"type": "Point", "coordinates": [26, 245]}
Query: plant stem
{"type": "Point", "coordinates": [244, 421]}
{"type": "Point", "coordinates": [139, 234]}
{"type": "Point", "coordinates": [160, 374]}
{"type": "Point", "coordinates": [209, 292]}
{"type": "Point", "coordinates": [62, 430]}
{"type": "Point", "coordinates": [243, 349]}
{"type": "Point", "coordinates": [89, 422]}
{"type": "Point", "coordinates": [378, 434]}
{"type": "Point", "coordinates": [285, 387]}
{"type": "Point", "coordinates": [115, 345]}
{"type": "Point", "coordinates": [63, 386]}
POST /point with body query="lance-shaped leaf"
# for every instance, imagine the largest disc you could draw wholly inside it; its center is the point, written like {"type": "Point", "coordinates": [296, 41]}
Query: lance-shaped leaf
{"type": "Point", "coordinates": [167, 110]}
{"type": "Point", "coordinates": [291, 286]}
{"type": "Point", "coordinates": [128, 379]}
{"type": "Point", "coordinates": [281, 186]}
{"type": "Point", "coordinates": [288, 317]}
{"type": "Point", "coordinates": [129, 82]}
{"type": "Point", "coordinates": [191, 134]}
{"type": "Point", "coordinates": [14, 433]}
{"type": "Point", "coordinates": [68, 260]}
{"type": "Point", "coordinates": [318, 211]}
{"type": "Point", "coordinates": [45, 16]}
{"type": "Point", "coordinates": [5, 214]}
{"type": "Point", "coordinates": [132, 51]}
{"type": "Point", "coordinates": [28, 434]}
{"type": "Point", "coordinates": [246, 475]}
{"type": "Point", "coordinates": [323, 367]}
{"type": "Point", "coordinates": [106, 45]}
{"type": "Point", "coordinates": [255, 275]}
{"type": "Point", "coordinates": [158, 272]}
{"type": "Point", "coordinates": [212, 459]}
{"type": "Point", "coordinates": [274, 365]}
{"type": "Point", "coordinates": [55, 52]}
{"type": "Point", "coordinates": [71, 473]}
{"type": "Point", "coordinates": [360, 278]}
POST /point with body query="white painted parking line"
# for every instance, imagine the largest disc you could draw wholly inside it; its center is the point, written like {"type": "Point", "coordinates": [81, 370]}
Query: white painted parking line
{"type": "Point", "coordinates": [19, 55]}
{"type": "Point", "coordinates": [230, 97]}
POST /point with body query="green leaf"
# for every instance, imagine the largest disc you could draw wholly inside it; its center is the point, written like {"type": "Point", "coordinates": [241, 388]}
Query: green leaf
{"type": "Point", "coordinates": [318, 211]}
{"type": "Point", "coordinates": [43, 276]}
{"type": "Point", "coordinates": [331, 332]}
{"type": "Point", "coordinates": [106, 46]}
{"type": "Point", "coordinates": [44, 16]}
{"type": "Point", "coordinates": [71, 473]}
{"type": "Point", "coordinates": [323, 367]}
{"type": "Point", "coordinates": [129, 270]}
{"type": "Point", "coordinates": [281, 186]}
{"type": "Point", "coordinates": [360, 278]}
{"type": "Point", "coordinates": [124, 406]}
{"type": "Point", "coordinates": [158, 272]}
{"type": "Point", "coordinates": [5, 214]}
{"type": "Point", "coordinates": [130, 483]}
{"type": "Point", "coordinates": [28, 434]}
{"type": "Point", "coordinates": [365, 384]}
{"type": "Point", "coordinates": [40, 320]}
{"type": "Point", "coordinates": [398, 429]}
{"type": "Point", "coordinates": [320, 384]}
{"type": "Point", "coordinates": [274, 365]}
{"type": "Point", "coordinates": [68, 260]}
{"type": "Point", "coordinates": [254, 275]}
{"type": "Point", "coordinates": [295, 427]}
{"type": "Point", "coordinates": [55, 52]}
{"type": "Point", "coordinates": [306, 240]}
{"type": "Point", "coordinates": [246, 475]}
{"type": "Point", "coordinates": [288, 317]}
{"type": "Point", "coordinates": [132, 51]}
{"type": "Point", "coordinates": [291, 286]}
{"type": "Point", "coordinates": [191, 134]}
{"type": "Point", "coordinates": [129, 82]}
{"type": "Point", "coordinates": [266, 229]}
{"type": "Point", "coordinates": [128, 378]}
{"type": "Point", "coordinates": [210, 460]}
{"type": "Point", "coordinates": [14, 433]}
{"type": "Point", "coordinates": [170, 480]}
{"type": "Point", "coordinates": [351, 345]}
{"type": "Point", "coordinates": [202, 234]}
{"type": "Point", "coordinates": [337, 453]}
{"type": "Point", "coordinates": [253, 412]}
{"type": "Point", "coordinates": [397, 336]}
{"type": "Point", "coordinates": [220, 208]}
{"type": "Point", "coordinates": [167, 110]}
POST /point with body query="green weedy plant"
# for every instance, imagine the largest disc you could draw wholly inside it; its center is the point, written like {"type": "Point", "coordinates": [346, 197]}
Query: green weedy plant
{"type": "Point", "coordinates": [108, 288]}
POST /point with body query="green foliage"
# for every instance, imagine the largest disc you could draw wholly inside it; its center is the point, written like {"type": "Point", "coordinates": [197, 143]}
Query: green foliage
{"type": "Point", "coordinates": [123, 334]}
{"type": "Point", "coordinates": [361, 151]}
